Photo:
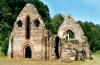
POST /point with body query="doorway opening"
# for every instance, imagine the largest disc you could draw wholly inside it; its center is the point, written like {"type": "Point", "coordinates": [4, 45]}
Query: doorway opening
{"type": "Point", "coordinates": [28, 52]}
{"type": "Point", "coordinates": [57, 47]}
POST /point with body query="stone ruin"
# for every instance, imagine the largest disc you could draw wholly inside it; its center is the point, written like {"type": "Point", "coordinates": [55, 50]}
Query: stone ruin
{"type": "Point", "coordinates": [30, 39]}
{"type": "Point", "coordinates": [74, 45]}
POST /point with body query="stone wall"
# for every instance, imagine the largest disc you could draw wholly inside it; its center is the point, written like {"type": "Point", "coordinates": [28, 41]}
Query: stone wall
{"type": "Point", "coordinates": [38, 39]}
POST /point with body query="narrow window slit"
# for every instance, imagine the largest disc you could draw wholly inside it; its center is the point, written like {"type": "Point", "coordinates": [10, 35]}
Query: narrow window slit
{"type": "Point", "coordinates": [27, 27]}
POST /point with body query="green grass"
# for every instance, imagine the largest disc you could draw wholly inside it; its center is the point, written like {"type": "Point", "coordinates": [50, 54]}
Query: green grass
{"type": "Point", "coordinates": [7, 61]}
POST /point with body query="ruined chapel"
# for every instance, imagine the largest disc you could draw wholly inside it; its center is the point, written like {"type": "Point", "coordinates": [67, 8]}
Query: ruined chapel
{"type": "Point", "coordinates": [30, 39]}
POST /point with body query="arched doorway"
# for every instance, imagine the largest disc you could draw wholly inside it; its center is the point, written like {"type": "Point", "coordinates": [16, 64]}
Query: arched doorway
{"type": "Point", "coordinates": [57, 46]}
{"type": "Point", "coordinates": [28, 52]}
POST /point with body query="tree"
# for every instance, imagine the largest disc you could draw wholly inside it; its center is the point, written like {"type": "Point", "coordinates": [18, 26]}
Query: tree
{"type": "Point", "coordinates": [92, 32]}
{"type": "Point", "coordinates": [56, 21]}
{"type": "Point", "coordinates": [4, 33]}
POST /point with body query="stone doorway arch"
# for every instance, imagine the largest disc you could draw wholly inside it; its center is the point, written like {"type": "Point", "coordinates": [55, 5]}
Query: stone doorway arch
{"type": "Point", "coordinates": [27, 51]}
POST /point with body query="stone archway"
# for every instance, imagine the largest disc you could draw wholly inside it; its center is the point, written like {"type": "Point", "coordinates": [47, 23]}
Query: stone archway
{"type": "Point", "coordinates": [69, 34]}
{"type": "Point", "coordinates": [27, 51]}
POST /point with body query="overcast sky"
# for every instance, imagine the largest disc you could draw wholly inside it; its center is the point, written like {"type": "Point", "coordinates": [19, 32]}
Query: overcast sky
{"type": "Point", "coordinates": [84, 10]}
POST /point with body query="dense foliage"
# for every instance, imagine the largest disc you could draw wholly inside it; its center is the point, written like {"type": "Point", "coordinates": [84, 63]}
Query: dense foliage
{"type": "Point", "coordinates": [92, 32]}
{"type": "Point", "coordinates": [56, 21]}
{"type": "Point", "coordinates": [9, 10]}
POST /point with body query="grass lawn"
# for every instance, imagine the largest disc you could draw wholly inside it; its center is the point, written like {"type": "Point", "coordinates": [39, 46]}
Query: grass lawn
{"type": "Point", "coordinates": [7, 61]}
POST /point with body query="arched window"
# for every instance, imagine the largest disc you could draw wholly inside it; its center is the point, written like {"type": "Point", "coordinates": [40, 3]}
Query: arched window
{"type": "Point", "coordinates": [36, 22]}
{"type": "Point", "coordinates": [19, 23]}
{"type": "Point", "coordinates": [70, 34]}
